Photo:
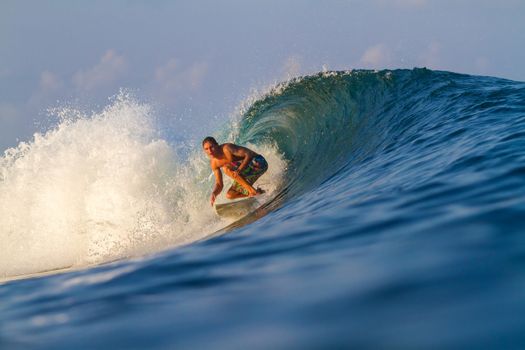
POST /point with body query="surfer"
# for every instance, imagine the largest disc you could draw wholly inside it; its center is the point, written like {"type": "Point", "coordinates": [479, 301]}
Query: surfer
{"type": "Point", "coordinates": [243, 165]}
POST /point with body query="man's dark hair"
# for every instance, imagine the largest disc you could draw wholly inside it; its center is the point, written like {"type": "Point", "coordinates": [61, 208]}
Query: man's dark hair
{"type": "Point", "coordinates": [209, 139]}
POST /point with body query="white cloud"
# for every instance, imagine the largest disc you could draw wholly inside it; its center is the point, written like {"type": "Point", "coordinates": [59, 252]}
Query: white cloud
{"type": "Point", "coordinates": [173, 78]}
{"type": "Point", "coordinates": [377, 56]}
{"type": "Point", "coordinates": [110, 67]}
{"type": "Point", "coordinates": [49, 81]}
{"type": "Point", "coordinates": [162, 72]}
{"type": "Point", "coordinates": [49, 87]}
{"type": "Point", "coordinates": [196, 74]}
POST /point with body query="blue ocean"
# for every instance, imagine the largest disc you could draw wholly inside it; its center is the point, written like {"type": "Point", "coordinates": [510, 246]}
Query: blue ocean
{"type": "Point", "coordinates": [394, 218]}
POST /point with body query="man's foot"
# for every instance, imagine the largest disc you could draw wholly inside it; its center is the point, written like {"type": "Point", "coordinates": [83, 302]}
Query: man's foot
{"type": "Point", "coordinates": [258, 191]}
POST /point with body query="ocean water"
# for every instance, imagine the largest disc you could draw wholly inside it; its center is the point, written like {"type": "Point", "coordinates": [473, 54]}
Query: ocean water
{"type": "Point", "coordinates": [395, 219]}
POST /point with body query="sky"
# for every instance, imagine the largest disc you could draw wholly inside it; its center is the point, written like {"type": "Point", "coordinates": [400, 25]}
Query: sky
{"type": "Point", "coordinates": [197, 61]}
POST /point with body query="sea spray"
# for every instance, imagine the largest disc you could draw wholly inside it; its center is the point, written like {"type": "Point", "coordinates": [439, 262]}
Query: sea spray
{"type": "Point", "coordinates": [97, 188]}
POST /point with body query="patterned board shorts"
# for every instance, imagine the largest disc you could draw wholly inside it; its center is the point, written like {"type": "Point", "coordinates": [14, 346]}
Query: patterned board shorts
{"type": "Point", "coordinates": [251, 173]}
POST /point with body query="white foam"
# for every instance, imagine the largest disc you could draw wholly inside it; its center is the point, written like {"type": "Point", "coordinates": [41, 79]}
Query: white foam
{"type": "Point", "coordinates": [101, 187]}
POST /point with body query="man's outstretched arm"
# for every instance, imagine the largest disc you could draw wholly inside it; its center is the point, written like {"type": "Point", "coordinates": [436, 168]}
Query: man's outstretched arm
{"type": "Point", "coordinates": [218, 185]}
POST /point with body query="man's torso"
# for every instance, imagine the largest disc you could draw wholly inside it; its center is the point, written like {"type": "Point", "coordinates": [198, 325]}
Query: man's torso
{"type": "Point", "coordinates": [226, 160]}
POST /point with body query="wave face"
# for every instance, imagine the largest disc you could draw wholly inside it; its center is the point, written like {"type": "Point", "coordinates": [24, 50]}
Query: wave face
{"type": "Point", "coordinates": [343, 121]}
{"type": "Point", "coordinates": [397, 214]}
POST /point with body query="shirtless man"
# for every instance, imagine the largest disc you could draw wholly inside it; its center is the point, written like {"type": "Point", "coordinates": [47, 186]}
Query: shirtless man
{"type": "Point", "coordinates": [243, 165]}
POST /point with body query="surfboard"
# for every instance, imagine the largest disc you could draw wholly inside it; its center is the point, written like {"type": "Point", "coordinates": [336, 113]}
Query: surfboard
{"type": "Point", "coordinates": [236, 208]}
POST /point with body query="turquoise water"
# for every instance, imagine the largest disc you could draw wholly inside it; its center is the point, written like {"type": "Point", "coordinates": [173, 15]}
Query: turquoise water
{"type": "Point", "coordinates": [399, 223]}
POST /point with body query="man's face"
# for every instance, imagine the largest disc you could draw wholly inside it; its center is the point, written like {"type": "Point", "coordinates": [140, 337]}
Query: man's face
{"type": "Point", "coordinates": [210, 149]}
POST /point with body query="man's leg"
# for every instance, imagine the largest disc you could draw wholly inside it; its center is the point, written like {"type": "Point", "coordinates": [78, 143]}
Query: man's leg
{"type": "Point", "coordinates": [240, 184]}
{"type": "Point", "coordinates": [233, 194]}
{"type": "Point", "coordinates": [238, 191]}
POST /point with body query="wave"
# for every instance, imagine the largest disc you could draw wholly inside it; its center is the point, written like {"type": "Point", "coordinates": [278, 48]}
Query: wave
{"type": "Point", "coordinates": [332, 121]}
{"type": "Point", "coordinates": [104, 186]}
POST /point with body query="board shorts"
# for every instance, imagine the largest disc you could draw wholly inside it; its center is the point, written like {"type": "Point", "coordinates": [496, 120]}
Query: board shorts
{"type": "Point", "coordinates": [251, 173]}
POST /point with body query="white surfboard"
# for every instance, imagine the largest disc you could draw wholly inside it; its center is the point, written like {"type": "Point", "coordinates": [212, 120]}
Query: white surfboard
{"type": "Point", "coordinates": [236, 208]}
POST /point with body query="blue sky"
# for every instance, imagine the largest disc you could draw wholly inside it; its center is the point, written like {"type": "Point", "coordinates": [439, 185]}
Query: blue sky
{"type": "Point", "coordinates": [197, 60]}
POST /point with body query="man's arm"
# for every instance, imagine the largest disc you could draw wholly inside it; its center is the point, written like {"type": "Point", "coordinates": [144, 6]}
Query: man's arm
{"type": "Point", "coordinates": [241, 152]}
{"type": "Point", "coordinates": [218, 184]}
